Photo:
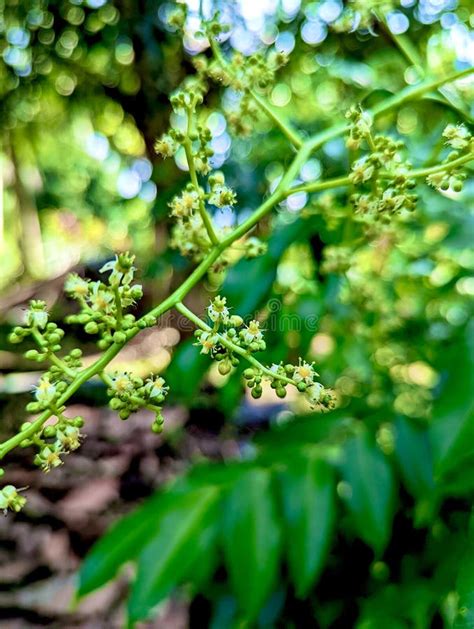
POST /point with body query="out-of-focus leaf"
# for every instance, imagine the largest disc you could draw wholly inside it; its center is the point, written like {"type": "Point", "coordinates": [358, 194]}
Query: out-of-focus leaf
{"type": "Point", "coordinates": [185, 372]}
{"type": "Point", "coordinates": [465, 585]}
{"type": "Point", "coordinates": [370, 489]}
{"type": "Point", "coordinates": [413, 453]}
{"type": "Point", "coordinates": [166, 560]}
{"type": "Point", "coordinates": [120, 544]}
{"type": "Point", "coordinates": [452, 429]}
{"type": "Point", "coordinates": [249, 281]}
{"type": "Point", "coordinates": [252, 540]}
{"type": "Point", "coordinates": [447, 100]}
{"type": "Point", "coordinates": [308, 492]}
{"type": "Point", "coordinates": [302, 431]}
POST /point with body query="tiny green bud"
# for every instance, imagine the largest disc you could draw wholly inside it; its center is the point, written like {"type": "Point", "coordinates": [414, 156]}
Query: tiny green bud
{"type": "Point", "coordinates": [119, 337]}
{"type": "Point", "coordinates": [31, 354]}
{"type": "Point", "coordinates": [157, 428]}
{"type": "Point", "coordinates": [248, 373]}
{"type": "Point", "coordinates": [236, 321]}
{"type": "Point", "coordinates": [301, 386]}
{"type": "Point", "coordinates": [224, 367]}
{"type": "Point", "coordinates": [91, 328]}
{"type": "Point", "coordinates": [49, 431]}
{"type": "Point", "coordinates": [257, 392]}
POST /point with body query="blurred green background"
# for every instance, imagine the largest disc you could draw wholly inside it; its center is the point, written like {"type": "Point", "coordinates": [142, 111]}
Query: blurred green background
{"type": "Point", "coordinates": [357, 518]}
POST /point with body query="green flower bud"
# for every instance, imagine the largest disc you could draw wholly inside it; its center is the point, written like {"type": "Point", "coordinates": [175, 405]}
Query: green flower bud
{"type": "Point", "coordinates": [49, 431]}
{"type": "Point", "coordinates": [301, 386]}
{"type": "Point", "coordinates": [31, 354]}
{"type": "Point", "coordinates": [248, 373]}
{"type": "Point", "coordinates": [91, 328]}
{"type": "Point", "coordinates": [224, 367]}
{"type": "Point", "coordinates": [119, 337]}
{"type": "Point", "coordinates": [257, 392]}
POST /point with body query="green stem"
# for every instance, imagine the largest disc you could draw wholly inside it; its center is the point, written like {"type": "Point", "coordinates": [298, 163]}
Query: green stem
{"type": "Point", "coordinates": [118, 306]}
{"type": "Point", "coordinates": [188, 149]}
{"type": "Point", "coordinates": [282, 191]}
{"type": "Point", "coordinates": [439, 168]}
{"type": "Point", "coordinates": [78, 381]}
{"type": "Point", "coordinates": [285, 127]}
{"type": "Point", "coordinates": [107, 380]}
{"type": "Point", "coordinates": [38, 337]}
{"type": "Point", "coordinates": [408, 93]}
{"type": "Point", "coordinates": [233, 347]}
{"type": "Point", "coordinates": [317, 186]}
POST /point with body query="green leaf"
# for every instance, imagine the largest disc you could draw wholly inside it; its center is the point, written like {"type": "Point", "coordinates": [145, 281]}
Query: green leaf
{"type": "Point", "coordinates": [413, 453]}
{"type": "Point", "coordinates": [120, 544]}
{"type": "Point", "coordinates": [252, 540]}
{"type": "Point", "coordinates": [186, 370]}
{"type": "Point", "coordinates": [452, 428]}
{"type": "Point", "coordinates": [308, 491]}
{"type": "Point", "coordinates": [165, 561]}
{"type": "Point", "coordinates": [370, 490]}
{"type": "Point", "coordinates": [249, 282]}
{"type": "Point", "coordinates": [465, 584]}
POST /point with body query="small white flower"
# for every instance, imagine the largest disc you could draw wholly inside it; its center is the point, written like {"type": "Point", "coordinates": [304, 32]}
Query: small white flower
{"type": "Point", "coordinates": [68, 439]}
{"type": "Point", "coordinates": [76, 286]}
{"type": "Point", "coordinates": [48, 458]}
{"type": "Point", "coordinates": [100, 299]}
{"type": "Point", "coordinates": [11, 499]}
{"type": "Point", "coordinates": [45, 392]}
{"type": "Point", "coordinates": [457, 136]}
{"type": "Point", "coordinates": [362, 171]}
{"type": "Point", "coordinates": [208, 340]}
{"type": "Point", "coordinates": [221, 196]}
{"type": "Point", "coordinates": [218, 311]}
{"type": "Point", "coordinates": [156, 387]}
{"type": "Point", "coordinates": [122, 383]}
{"type": "Point", "coordinates": [122, 268]}
{"type": "Point", "coordinates": [314, 393]}
{"type": "Point", "coordinates": [37, 315]}
{"type": "Point", "coordinates": [165, 146]}
{"type": "Point", "coordinates": [252, 332]}
{"type": "Point", "coordinates": [304, 372]}
{"type": "Point", "coordinates": [183, 206]}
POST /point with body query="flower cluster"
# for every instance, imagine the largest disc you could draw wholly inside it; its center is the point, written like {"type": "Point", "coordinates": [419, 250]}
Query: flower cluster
{"type": "Point", "coordinates": [11, 499]}
{"type": "Point", "coordinates": [230, 339]}
{"type": "Point", "coordinates": [244, 74]}
{"type": "Point", "coordinates": [383, 174]}
{"type": "Point", "coordinates": [103, 303]}
{"type": "Point", "coordinates": [194, 233]}
{"type": "Point", "coordinates": [129, 393]}
{"type": "Point", "coordinates": [452, 177]}
{"type": "Point", "coordinates": [220, 195]}
{"type": "Point", "coordinates": [360, 125]}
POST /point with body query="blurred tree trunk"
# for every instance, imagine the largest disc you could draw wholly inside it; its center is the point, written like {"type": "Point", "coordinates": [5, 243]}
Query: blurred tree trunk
{"type": "Point", "coordinates": [30, 239]}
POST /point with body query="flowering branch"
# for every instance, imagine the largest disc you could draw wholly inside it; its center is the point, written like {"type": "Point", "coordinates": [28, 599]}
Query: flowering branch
{"type": "Point", "coordinates": [104, 305]}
